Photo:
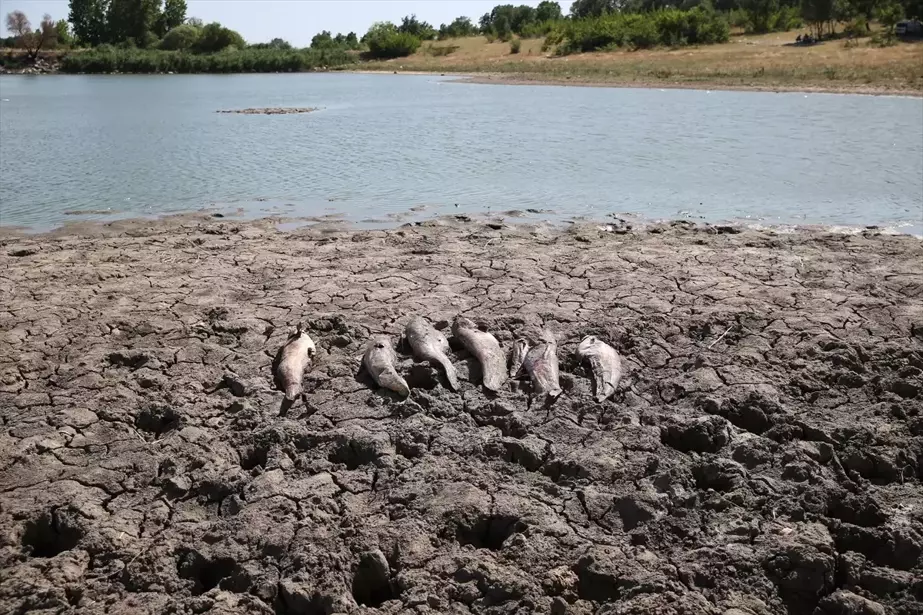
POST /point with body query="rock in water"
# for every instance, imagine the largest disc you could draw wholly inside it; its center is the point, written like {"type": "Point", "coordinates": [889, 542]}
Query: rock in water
{"type": "Point", "coordinates": [541, 363]}
{"type": "Point", "coordinates": [520, 349]}
{"type": "Point", "coordinates": [485, 348]}
{"type": "Point", "coordinates": [428, 344]}
{"type": "Point", "coordinates": [294, 358]}
{"type": "Point", "coordinates": [379, 361]}
{"type": "Point", "coordinates": [605, 363]}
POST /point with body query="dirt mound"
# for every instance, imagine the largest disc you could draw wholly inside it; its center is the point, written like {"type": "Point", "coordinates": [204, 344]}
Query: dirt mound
{"type": "Point", "coordinates": [763, 454]}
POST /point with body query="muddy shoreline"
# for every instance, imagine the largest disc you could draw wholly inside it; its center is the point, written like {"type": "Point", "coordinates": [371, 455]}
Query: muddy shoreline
{"type": "Point", "coordinates": [763, 454]}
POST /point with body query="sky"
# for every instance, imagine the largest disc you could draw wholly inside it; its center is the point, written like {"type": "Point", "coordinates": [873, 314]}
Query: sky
{"type": "Point", "coordinates": [297, 20]}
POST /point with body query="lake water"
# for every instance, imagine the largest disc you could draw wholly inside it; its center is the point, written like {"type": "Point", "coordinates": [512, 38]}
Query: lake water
{"type": "Point", "coordinates": [124, 146]}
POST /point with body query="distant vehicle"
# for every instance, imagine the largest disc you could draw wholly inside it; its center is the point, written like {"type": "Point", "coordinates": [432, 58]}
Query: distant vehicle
{"type": "Point", "coordinates": [909, 27]}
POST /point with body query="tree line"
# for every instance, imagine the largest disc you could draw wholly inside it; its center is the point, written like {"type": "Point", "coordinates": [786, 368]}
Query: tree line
{"type": "Point", "coordinates": [590, 24]}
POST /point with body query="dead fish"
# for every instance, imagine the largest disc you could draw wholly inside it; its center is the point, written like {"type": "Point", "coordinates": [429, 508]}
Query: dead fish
{"type": "Point", "coordinates": [428, 344]}
{"type": "Point", "coordinates": [520, 349]}
{"type": "Point", "coordinates": [379, 361]}
{"type": "Point", "coordinates": [485, 348]}
{"type": "Point", "coordinates": [541, 363]}
{"type": "Point", "coordinates": [605, 362]}
{"type": "Point", "coordinates": [294, 358]}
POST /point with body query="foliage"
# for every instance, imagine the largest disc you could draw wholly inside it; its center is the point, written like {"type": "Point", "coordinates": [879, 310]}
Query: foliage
{"type": "Point", "coordinates": [132, 21]}
{"type": "Point", "coordinates": [503, 29]}
{"type": "Point", "coordinates": [215, 37]}
{"type": "Point", "coordinates": [63, 37]}
{"type": "Point", "coordinates": [173, 15]}
{"type": "Point", "coordinates": [414, 27]}
{"type": "Point", "coordinates": [88, 18]}
{"type": "Point", "coordinates": [385, 41]}
{"type": "Point", "coordinates": [462, 26]}
{"type": "Point", "coordinates": [760, 13]}
{"type": "Point", "coordinates": [276, 43]}
{"type": "Point", "coordinates": [856, 28]}
{"type": "Point", "coordinates": [181, 38]}
{"type": "Point", "coordinates": [515, 45]}
{"type": "Point", "coordinates": [581, 9]}
{"type": "Point", "coordinates": [548, 11]}
{"type": "Point", "coordinates": [671, 27]}
{"type": "Point", "coordinates": [31, 41]}
{"type": "Point", "coordinates": [817, 14]}
{"type": "Point", "coordinates": [106, 59]}
{"type": "Point", "coordinates": [505, 20]}
{"type": "Point", "coordinates": [325, 40]}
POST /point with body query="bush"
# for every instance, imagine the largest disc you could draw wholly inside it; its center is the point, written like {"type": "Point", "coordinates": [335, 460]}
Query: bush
{"type": "Point", "coordinates": [669, 27]}
{"type": "Point", "coordinates": [515, 45]}
{"type": "Point", "coordinates": [857, 28]}
{"type": "Point", "coordinates": [181, 38]}
{"type": "Point", "coordinates": [227, 61]}
{"type": "Point", "coordinates": [386, 42]}
{"type": "Point", "coordinates": [215, 37]}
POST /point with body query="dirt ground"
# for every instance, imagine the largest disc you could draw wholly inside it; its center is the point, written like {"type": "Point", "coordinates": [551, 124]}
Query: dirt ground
{"type": "Point", "coordinates": [763, 455]}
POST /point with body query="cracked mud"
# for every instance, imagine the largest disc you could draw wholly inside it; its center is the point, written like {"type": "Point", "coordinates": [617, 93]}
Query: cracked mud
{"type": "Point", "coordinates": [763, 453]}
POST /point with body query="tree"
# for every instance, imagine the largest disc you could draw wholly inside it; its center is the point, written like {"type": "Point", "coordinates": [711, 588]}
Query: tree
{"type": "Point", "coordinates": [195, 21]}
{"type": "Point", "coordinates": [88, 19]}
{"type": "Point", "coordinates": [817, 13]}
{"type": "Point", "coordinates": [889, 13]}
{"type": "Point", "coordinates": [322, 40]}
{"type": "Point", "coordinates": [548, 11]}
{"type": "Point", "coordinates": [173, 15]}
{"type": "Point", "coordinates": [133, 21]}
{"type": "Point", "coordinates": [592, 8]}
{"type": "Point", "coordinates": [63, 36]}
{"type": "Point", "coordinates": [27, 39]}
{"type": "Point", "coordinates": [181, 38]}
{"type": "Point", "coordinates": [216, 37]}
{"type": "Point", "coordinates": [413, 26]}
{"type": "Point", "coordinates": [462, 26]}
{"type": "Point", "coordinates": [760, 12]}
{"type": "Point", "coordinates": [503, 29]}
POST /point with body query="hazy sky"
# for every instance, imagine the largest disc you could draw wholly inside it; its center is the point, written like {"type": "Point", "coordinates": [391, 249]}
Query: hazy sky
{"type": "Point", "coordinates": [297, 20]}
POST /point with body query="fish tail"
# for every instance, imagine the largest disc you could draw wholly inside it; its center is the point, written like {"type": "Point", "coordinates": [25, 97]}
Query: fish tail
{"type": "Point", "coordinates": [390, 379]}
{"type": "Point", "coordinates": [450, 373]}
{"type": "Point", "coordinates": [292, 391]}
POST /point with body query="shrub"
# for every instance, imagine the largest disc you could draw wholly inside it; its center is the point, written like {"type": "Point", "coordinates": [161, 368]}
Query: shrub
{"type": "Point", "coordinates": [227, 61]}
{"type": "Point", "coordinates": [670, 27]}
{"type": "Point", "coordinates": [215, 37]}
{"type": "Point", "coordinates": [515, 45]}
{"type": "Point", "coordinates": [385, 42]}
{"type": "Point", "coordinates": [181, 38]}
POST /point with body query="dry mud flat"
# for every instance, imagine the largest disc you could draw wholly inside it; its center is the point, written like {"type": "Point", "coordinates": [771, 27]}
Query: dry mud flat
{"type": "Point", "coordinates": [763, 455]}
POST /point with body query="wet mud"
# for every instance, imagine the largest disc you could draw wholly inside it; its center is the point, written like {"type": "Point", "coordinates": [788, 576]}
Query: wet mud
{"type": "Point", "coordinates": [763, 453]}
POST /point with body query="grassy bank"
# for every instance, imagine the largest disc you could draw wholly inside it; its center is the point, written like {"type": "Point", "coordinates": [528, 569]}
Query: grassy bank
{"type": "Point", "coordinates": [760, 62]}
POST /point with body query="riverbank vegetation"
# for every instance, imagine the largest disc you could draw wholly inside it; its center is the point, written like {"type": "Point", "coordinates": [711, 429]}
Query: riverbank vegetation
{"type": "Point", "coordinates": [608, 41]}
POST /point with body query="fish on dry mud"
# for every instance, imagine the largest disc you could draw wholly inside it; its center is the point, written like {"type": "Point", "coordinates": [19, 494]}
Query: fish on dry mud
{"type": "Point", "coordinates": [485, 348]}
{"type": "Point", "coordinates": [430, 345]}
{"type": "Point", "coordinates": [605, 363]}
{"type": "Point", "coordinates": [294, 358]}
{"type": "Point", "coordinates": [541, 363]}
{"type": "Point", "coordinates": [520, 349]}
{"type": "Point", "coordinates": [379, 361]}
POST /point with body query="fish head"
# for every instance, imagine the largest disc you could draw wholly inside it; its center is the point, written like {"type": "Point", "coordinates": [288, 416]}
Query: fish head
{"type": "Point", "coordinates": [521, 346]}
{"type": "Point", "coordinates": [547, 337]}
{"type": "Point", "coordinates": [587, 345]}
{"type": "Point", "coordinates": [461, 322]}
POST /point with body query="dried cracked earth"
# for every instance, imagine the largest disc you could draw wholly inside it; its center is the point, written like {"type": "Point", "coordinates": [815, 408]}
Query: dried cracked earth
{"type": "Point", "coordinates": [763, 455]}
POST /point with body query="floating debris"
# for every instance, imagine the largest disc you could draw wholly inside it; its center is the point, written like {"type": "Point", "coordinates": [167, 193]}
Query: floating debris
{"type": "Point", "coordinates": [269, 110]}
